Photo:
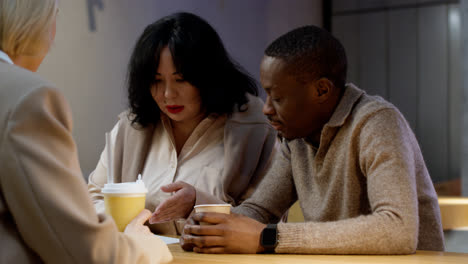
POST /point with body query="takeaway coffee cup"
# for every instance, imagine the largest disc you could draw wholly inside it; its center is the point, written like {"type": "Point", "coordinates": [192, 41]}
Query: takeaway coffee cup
{"type": "Point", "coordinates": [124, 201]}
{"type": "Point", "coordinates": [213, 208]}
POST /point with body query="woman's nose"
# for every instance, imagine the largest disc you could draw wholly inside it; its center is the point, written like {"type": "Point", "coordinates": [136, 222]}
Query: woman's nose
{"type": "Point", "coordinates": [170, 91]}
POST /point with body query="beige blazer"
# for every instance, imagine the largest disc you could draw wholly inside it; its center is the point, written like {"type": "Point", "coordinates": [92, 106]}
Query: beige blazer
{"type": "Point", "coordinates": [45, 211]}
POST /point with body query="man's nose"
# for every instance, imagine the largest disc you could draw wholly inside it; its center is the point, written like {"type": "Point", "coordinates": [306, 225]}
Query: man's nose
{"type": "Point", "coordinates": [268, 108]}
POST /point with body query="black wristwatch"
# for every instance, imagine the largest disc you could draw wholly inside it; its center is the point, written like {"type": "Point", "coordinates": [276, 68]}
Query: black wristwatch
{"type": "Point", "coordinates": [269, 238]}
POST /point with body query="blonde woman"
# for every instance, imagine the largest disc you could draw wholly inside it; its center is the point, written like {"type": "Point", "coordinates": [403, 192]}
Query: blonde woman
{"type": "Point", "coordinates": [45, 212]}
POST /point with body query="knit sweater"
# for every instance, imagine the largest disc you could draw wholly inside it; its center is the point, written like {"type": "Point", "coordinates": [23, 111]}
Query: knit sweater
{"type": "Point", "coordinates": [365, 190]}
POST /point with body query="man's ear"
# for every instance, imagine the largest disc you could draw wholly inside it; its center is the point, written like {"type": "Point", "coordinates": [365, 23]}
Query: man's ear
{"type": "Point", "coordinates": [323, 88]}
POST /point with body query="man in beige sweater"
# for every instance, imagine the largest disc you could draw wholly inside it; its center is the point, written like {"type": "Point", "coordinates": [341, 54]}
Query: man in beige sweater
{"type": "Point", "coordinates": [351, 159]}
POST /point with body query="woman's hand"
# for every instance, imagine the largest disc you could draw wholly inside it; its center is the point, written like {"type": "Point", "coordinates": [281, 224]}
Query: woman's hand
{"type": "Point", "coordinates": [178, 206]}
{"type": "Point", "coordinates": [137, 225]}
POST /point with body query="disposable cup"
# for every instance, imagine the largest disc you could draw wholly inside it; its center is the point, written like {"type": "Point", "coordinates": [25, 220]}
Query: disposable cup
{"type": "Point", "coordinates": [212, 208]}
{"type": "Point", "coordinates": [124, 201]}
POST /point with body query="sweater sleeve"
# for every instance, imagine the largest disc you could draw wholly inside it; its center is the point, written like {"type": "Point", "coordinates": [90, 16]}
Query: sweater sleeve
{"type": "Point", "coordinates": [275, 193]}
{"type": "Point", "coordinates": [388, 158]}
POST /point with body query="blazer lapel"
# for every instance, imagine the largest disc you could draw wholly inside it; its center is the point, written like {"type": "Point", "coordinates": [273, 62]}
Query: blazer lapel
{"type": "Point", "coordinates": [130, 151]}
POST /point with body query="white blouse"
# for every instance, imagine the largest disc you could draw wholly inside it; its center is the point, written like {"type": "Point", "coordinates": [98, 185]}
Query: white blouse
{"type": "Point", "coordinates": [201, 156]}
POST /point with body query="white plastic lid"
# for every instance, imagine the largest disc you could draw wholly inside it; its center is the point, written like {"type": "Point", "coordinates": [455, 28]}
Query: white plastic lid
{"type": "Point", "coordinates": [125, 187]}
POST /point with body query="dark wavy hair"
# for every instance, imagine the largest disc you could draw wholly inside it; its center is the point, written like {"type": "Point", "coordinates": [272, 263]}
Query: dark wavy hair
{"type": "Point", "coordinates": [311, 52]}
{"type": "Point", "coordinates": [198, 54]}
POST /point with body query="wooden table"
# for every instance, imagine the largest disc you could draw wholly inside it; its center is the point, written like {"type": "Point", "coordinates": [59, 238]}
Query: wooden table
{"type": "Point", "coordinates": [421, 257]}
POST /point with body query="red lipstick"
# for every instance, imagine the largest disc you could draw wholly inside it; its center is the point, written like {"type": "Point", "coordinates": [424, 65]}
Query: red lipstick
{"type": "Point", "coordinates": [174, 109]}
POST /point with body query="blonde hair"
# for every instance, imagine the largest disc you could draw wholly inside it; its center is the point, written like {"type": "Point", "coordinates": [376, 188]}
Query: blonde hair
{"type": "Point", "coordinates": [25, 26]}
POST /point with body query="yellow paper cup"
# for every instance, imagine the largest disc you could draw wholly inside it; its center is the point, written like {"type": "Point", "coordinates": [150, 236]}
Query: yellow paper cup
{"type": "Point", "coordinates": [212, 208]}
{"type": "Point", "coordinates": [124, 201]}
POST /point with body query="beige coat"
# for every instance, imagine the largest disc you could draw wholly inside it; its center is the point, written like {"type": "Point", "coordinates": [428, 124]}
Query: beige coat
{"type": "Point", "coordinates": [45, 212]}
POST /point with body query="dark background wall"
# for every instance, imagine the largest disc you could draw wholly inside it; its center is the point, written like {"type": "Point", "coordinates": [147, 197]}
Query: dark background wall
{"type": "Point", "coordinates": [95, 37]}
{"type": "Point", "coordinates": [410, 52]}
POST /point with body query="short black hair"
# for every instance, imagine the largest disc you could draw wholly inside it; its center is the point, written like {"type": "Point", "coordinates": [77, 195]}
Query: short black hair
{"type": "Point", "coordinates": [198, 54]}
{"type": "Point", "coordinates": [311, 52]}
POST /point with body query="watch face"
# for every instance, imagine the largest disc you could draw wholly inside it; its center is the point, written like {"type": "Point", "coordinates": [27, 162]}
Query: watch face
{"type": "Point", "coordinates": [269, 236]}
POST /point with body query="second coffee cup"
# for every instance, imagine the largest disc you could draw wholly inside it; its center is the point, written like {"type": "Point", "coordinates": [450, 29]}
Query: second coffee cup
{"type": "Point", "coordinates": [213, 208]}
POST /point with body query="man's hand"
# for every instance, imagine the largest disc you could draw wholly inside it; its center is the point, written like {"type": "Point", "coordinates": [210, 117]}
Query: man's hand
{"type": "Point", "coordinates": [137, 225]}
{"type": "Point", "coordinates": [178, 206]}
{"type": "Point", "coordinates": [229, 233]}
{"type": "Point", "coordinates": [185, 245]}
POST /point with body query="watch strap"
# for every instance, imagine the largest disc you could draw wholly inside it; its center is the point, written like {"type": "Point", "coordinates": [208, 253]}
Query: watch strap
{"type": "Point", "coordinates": [269, 238]}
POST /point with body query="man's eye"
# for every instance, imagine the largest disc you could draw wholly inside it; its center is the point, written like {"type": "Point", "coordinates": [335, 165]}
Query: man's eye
{"type": "Point", "coordinates": [276, 100]}
{"type": "Point", "coordinates": [180, 80]}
